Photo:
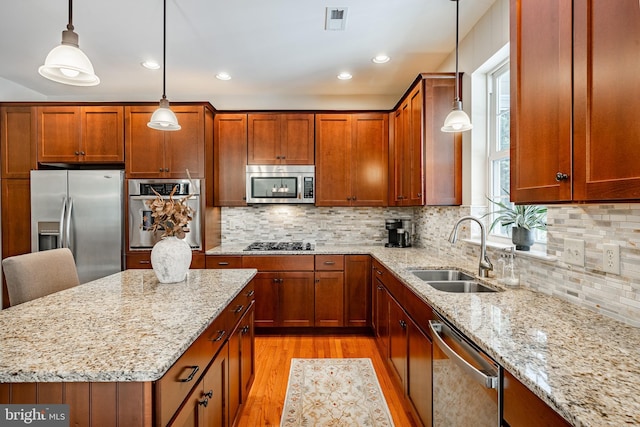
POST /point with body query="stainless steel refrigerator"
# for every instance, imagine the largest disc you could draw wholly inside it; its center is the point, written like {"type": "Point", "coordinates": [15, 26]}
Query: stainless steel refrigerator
{"type": "Point", "coordinates": [81, 210]}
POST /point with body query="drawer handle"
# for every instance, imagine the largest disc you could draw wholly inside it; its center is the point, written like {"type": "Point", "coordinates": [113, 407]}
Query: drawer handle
{"type": "Point", "coordinates": [329, 263]}
{"type": "Point", "coordinates": [244, 330]}
{"type": "Point", "coordinates": [219, 337]}
{"type": "Point", "coordinates": [223, 263]}
{"type": "Point", "coordinates": [403, 324]}
{"type": "Point", "coordinates": [250, 293]}
{"type": "Point", "coordinates": [378, 272]}
{"type": "Point", "coordinates": [204, 402]}
{"type": "Point", "coordinates": [145, 261]}
{"type": "Point", "coordinates": [194, 369]}
{"type": "Point", "coordinates": [209, 394]}
{"type": "Point", "coordinates": [238, 309]}
{"type": "Point", "coordinates": [380, 288]}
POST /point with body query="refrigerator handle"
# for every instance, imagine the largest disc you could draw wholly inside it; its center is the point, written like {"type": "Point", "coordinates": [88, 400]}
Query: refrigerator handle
{"type": "Point", "coordinates": [67, 225]}
{"type": "Point", "coordinates": [61, 223]}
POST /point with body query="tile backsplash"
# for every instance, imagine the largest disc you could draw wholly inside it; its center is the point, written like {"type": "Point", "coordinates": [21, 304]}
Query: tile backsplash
{"type": "Point", "coordinates": [617, 296]}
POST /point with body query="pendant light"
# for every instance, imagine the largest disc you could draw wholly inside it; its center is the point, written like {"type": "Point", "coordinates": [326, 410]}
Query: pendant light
{"type": "Point", "coordinates": [66, 63]}
{"type": "Point", "coordinates": [457, 120]}
{"type": "Point", "coordinates": [163, 118]}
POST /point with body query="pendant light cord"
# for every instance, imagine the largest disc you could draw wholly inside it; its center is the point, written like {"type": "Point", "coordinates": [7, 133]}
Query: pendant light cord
{"type": "Point", "coordinates": [70, 24]}
{"type": "Point", "coordinates": [164, 51]}
{"type": "Point", "coordinates": [457, 79]}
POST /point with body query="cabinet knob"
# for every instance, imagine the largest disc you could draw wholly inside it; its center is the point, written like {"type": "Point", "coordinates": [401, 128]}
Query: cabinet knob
{"type": "Point", "coordinates": [77, 153]}
{"type": "Point", "coordinates": [82, 153]}
{"type": "Point", "coordinates": [561, 176]}
{"type": "Point", "coordinates": [209, 394]}
{"type": "Point", "coordinates": [348, 198]}
{"type": "Point", "coordinates": [400, 197]}
{"type": "Point", "coordinates": [166, 169]}
{"type": "Point", "coordinates": [419, 194]}
{"type": "Point", "coordinates": [204, 402]}
{"type": "Point", "coordinates": [354, 198]}
{"type": "Point", "coordinates": [161, 169]}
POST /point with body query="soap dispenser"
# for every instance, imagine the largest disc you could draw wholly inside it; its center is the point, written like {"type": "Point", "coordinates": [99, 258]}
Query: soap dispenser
{"type": "Point", "coordinates": [510, 276]}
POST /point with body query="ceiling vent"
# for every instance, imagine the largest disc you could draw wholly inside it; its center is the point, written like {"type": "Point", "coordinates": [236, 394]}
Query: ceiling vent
{"type": "Point", "coordinates": [336, 19]}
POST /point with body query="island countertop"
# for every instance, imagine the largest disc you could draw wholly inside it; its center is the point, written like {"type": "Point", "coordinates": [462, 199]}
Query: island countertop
{"type": "Point", "coordinates": [586, 366]}
{"type": "Point", "coordinates": [121, 328]}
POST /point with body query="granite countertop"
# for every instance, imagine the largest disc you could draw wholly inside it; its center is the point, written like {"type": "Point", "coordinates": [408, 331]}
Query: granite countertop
{"type": "Point", "coordinates": [584, 365]}
{"type": "Point", "coordinates": [124, 327]}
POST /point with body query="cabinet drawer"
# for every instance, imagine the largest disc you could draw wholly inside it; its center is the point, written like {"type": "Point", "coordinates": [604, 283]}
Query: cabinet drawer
{"type": "Point", "coordinates": [173, 387]}
{"type": "Point", "coordinates": [240, 304]}
{"type": "Point", "coordinates": [279, 262]}
{"type": "Point", "coordinates": [217, 261]}
{"type": "Point", "coordinates": [329, 262]}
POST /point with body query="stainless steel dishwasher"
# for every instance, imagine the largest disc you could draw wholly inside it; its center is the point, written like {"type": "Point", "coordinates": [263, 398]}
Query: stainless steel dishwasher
{"type": "Point", "coordinates": [466, 381]}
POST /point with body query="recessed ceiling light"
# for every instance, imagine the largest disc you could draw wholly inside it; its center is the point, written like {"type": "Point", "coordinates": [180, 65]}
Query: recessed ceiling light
{"type": "Point", "coordinates": [381, 59]}
{"type": "Point", "coordinates": [223, 76]}
{"type": "Point", "coordinates": [345, 76]}
{"type": "Point", "coordinates": [150, 64]}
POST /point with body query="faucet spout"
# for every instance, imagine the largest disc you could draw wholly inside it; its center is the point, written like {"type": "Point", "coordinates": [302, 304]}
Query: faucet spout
{"type": "Point", "coordinates": [484, 265]}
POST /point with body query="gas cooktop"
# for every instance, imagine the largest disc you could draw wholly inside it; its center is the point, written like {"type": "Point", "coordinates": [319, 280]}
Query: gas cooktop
{"type": "Point", "coordinates": [279, 246]}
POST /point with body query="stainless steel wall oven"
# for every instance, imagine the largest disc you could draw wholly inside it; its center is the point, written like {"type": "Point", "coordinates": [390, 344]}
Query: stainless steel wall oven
{"type": "Point", "coordinates": [139, 218]}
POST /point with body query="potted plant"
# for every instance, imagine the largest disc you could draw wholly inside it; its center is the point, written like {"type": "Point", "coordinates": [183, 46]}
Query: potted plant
{"type": "Point", "coordinates": [524, 219]}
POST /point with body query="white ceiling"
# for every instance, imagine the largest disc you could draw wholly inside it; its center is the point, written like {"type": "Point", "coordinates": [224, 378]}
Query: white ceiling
{"type": "Point", "coordinates": [277, 51]}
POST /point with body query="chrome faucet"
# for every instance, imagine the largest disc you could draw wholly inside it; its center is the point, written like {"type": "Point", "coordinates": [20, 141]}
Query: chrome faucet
{"type": "Point", "coordinates": [485, 265]}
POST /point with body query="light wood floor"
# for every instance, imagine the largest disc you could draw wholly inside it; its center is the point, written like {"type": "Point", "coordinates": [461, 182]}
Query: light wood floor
{"type": "Point", "coordinates": [273, 360]}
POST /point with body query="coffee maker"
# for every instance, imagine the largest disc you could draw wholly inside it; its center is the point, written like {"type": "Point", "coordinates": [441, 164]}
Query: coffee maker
{"type": "Point", "coordinates": [399, 233]}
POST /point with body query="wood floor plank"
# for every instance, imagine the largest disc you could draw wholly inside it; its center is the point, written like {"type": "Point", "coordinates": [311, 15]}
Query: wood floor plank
{"type": "Point", "coordinates": [273, 362]}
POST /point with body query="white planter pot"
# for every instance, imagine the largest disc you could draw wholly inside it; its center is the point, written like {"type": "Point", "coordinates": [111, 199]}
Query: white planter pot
{"type": "Point", "coordinates": [170, 259]}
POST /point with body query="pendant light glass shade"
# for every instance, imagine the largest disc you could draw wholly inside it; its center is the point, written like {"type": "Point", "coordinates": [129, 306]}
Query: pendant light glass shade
{"type": "Point", "coordinates": [66, 63]}
{"type": "Point", "coordinates": [163, 118]}
{"type": "Point", "coordinates": [457, 120]}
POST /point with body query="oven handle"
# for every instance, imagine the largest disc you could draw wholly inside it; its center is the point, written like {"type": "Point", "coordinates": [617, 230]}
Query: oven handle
{"type": "Point", "coordinates": [487, 381]}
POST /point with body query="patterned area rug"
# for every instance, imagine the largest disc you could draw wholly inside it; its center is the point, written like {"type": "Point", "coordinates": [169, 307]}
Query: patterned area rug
{"type": "Point", "coordinates": [336, 393]}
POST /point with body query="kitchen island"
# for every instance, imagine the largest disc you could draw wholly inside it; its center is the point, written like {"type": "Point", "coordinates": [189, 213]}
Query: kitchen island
{"type": "Point", "coordinates": [584, 365]}
{"type": "Point", "coordinates": [118, 336]}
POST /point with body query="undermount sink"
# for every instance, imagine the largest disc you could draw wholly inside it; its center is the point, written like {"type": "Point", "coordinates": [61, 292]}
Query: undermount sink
{"type": "Point", "coordinates": [441, 275]}
{"type": "Point", "coordinates": [460, 286]}
{"type": "Point", "coordinates": [451, 281]}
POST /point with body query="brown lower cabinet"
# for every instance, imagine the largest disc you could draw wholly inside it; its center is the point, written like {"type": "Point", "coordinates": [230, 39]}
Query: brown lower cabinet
{"type": "Point", "coordinates": [142, 260]}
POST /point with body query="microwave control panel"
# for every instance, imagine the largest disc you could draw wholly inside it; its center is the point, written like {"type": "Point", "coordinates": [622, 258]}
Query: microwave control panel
{"type": "Point", "coordinates": [308, 187]}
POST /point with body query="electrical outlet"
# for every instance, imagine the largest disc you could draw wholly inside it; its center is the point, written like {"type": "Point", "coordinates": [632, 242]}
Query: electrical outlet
{"type": "Point", "coordinates": [574, 252]}
{"type": "Point", "coordinates": [611, 258]}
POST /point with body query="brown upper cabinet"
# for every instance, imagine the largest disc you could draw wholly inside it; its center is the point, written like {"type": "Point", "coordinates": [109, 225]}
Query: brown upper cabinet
{"type": "Point", "coordinates": [156, 154]}
{"type": "Point", "coordinates": [275, 139]}
{"type": "Point", "coordinates": [574, 135]}
{"type": "Point", "coordinates": [87, 134]}
{"type": "Point", "coordinates": [229, 159]}
{"type": "Point", "coordinates": [18, 141]}
{"type": "Point", "coordinates": [352, 159]}
{"type": "Point", "coordinates": [425, 164]}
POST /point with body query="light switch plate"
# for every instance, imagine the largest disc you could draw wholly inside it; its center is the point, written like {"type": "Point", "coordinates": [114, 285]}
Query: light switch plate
{"type": "Point", "coordinates": [574, 251]}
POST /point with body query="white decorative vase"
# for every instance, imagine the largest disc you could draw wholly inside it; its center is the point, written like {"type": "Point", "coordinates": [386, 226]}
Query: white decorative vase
{"type": "Point", "coordinates": [170, 259]}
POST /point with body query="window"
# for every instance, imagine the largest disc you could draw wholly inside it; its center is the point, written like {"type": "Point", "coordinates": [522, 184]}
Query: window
{"type": "Point", "coordinates": [499, 145]}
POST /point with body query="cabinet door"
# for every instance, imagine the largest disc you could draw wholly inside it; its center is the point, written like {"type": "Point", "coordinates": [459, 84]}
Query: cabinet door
{"type": "Point", "coordinates": [247, 353]}
{"type": "Point", "coordinates": [369, 159]}
{"type": "Point", "coordinates": [18, 141]}
{"type": "Point", "coordinates": [266, 284]}
{"type": "Point", "coordinates": [397, 153]}
{"type": "Point", "coordinates": [381, 315]}
{"type": "Point", "coordinates": [442, 150]}
{"type": "Point", "coordinates": [16, 223]}
{"type": "Point", "coordinates": [522, 408]}
{"type": "Point", "coordinates": [541, 98]}
{"type": "Point", "coordinates": [333, 160]}
{"type": "Point", "coordinates": [184, 149]}
{"type": "Point", "coordinates": [606, 92]}
{"type": "Point", "coordinates": [297, 139]}
{"type": "Point", "coordinates": [144, 146]}
{"type": "Point", "coordinates": [102, 134]}
{"type": "Point", "coordinates": [58, 134]}
{"type": "Point", "coordinates": [414, 189]}
{"type": "Point", "coordinates": [230, 159]}
{"type": "Point", "coordinates": [357, 279]}
{"type": "Point", "coordinates": [263, 139]}
{"type": "Point", "coordinates": [398, 324]}
{"type": "Point", "coordinates": [234, 361]}
{"type": "Point", "coordinates": [192, 412]}
{"type": "Point", "coordinates": [215, 385]}
{"type": "Point", "coordinates": [329, 298]}
{"type": "Point", "coordinates": [295, 299]}
{"type": "Point", "coordinates": [419, 377]}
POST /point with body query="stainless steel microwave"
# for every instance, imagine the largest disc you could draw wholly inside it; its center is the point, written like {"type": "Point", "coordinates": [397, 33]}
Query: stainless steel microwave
{"type": "Point", "coordinates": [280, 184]}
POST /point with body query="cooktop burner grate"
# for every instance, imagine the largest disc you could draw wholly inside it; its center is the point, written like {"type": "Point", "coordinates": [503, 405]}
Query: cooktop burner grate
{"type": "Point", "coordinates": [279, 246]}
